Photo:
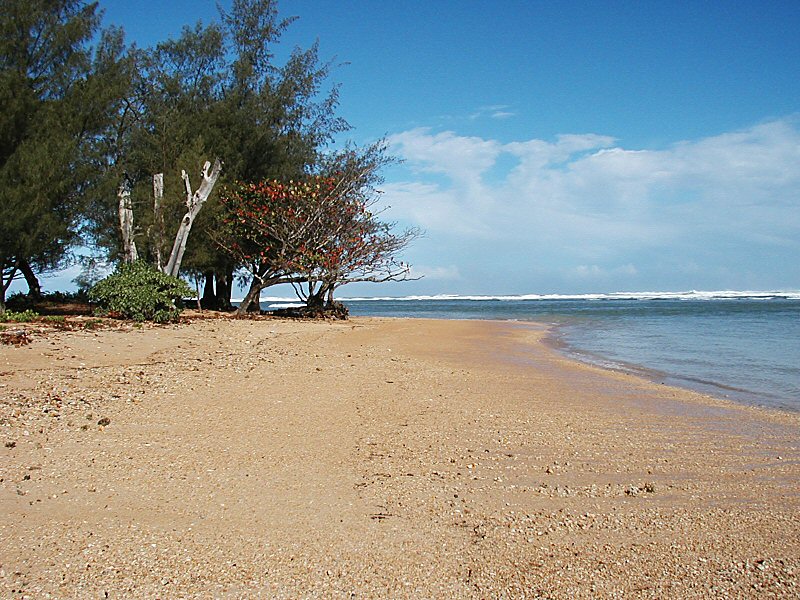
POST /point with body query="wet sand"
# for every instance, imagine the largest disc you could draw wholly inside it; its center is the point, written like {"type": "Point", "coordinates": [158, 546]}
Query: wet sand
{"type": "Point", "coordinates": [379, 458]}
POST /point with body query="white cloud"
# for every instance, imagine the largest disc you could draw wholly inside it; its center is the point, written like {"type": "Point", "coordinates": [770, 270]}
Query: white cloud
{"type": "Point", "coordinates": [585, 200]}
{"type": "Point", "coordinates": [595, 271]}
{"type": "Point", "coordinates": [460, 158]}
{"type": "Point", "coordinates": [494, 111]}
{"type": "Point", "coordinates": [433, 208]}
{"type": "Point", "coordinates": [449, 273]}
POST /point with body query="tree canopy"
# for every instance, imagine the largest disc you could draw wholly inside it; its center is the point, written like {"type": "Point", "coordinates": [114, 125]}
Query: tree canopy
{"type": "Point", "coordinates": [91, 127]}
{"type": "Point", "coordinates": [57, 94]}
{"type": "Point", "coordinates": [318, 232]}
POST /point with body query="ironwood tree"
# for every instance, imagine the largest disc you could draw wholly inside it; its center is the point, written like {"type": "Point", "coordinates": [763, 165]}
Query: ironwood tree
{"type": "Point", "coordinates": [215, 91]}
{"type": "Point", "coordinates": [57, 95]}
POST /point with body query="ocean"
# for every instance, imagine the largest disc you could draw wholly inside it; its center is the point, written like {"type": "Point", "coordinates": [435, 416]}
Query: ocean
{"type": "Point", "coordinates": [744, 346]}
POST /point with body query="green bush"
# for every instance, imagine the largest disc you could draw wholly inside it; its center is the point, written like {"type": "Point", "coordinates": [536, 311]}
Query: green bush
{"type": "Point", "coordinates": [55, 319]}
{"type": "Point", "coordinates": [26, 316]}
{"type": "Point", "coordinates": [138, 291]}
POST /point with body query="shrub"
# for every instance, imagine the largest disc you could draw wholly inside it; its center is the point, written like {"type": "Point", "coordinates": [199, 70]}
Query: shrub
{"type": "Point", "coordinates": [94, 324]}
{"type": "Point", "coordinates": [62, 297]}
{"type": "Point", "coordinates": [55, 319]}
{"type": "Point", "coordinates": [18, 301]}
{"type": "Point", "coordinates": [138, 291]}
{"type": "Point", "coordinates": [26, 316]}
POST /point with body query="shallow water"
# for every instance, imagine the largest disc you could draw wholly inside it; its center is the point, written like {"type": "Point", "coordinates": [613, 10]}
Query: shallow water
{"type": "Point", "coordinates": [744, 347]}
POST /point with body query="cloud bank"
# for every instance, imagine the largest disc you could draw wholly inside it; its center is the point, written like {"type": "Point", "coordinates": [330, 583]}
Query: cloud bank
{"type": "Point", "coordinates": [713, 211]}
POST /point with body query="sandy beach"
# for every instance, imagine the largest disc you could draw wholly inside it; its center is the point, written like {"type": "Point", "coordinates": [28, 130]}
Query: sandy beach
{"type": "Point", "coordinates": [379, 458]}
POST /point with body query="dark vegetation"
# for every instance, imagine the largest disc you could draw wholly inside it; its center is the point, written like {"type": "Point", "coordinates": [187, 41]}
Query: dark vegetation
{"type": "Point", "coordinates": [107, 146]}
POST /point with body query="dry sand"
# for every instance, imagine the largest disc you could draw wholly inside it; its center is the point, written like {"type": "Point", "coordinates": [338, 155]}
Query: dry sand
{"type": "Point", "coordinates": [379, 458]}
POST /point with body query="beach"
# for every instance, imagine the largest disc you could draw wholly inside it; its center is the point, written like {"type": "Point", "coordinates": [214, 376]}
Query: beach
{"type": "Point", "coordinates": [379, 458]}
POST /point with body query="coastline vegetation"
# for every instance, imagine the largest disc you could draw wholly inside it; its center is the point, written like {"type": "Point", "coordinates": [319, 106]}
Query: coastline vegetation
{"type": "Point", "coordinates": [101, 142]}
{"type": "Point", "coordinates": [139, 292]}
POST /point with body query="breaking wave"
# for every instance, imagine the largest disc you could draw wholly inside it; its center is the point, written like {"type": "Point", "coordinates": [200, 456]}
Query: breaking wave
{"type": "Point", "coordinates": [690, 295]}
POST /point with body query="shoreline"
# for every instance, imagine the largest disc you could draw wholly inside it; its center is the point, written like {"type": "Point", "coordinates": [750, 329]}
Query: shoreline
{"type": "Point", "coordinates": [693, 343]}
{"type": "Point", "coordinates": [713, 389]}
{"type": "Point", "coordinates": [380, 457]}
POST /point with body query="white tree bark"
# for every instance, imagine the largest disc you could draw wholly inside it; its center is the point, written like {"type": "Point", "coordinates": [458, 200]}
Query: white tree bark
{"type": "Point", "coordinates": [126, 221]}
{"type": "Point", "coordinates": [158, 217]}
{"type": "Point", "coordinates": [194, 202]}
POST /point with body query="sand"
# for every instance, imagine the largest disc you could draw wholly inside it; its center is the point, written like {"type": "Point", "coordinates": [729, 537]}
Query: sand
{"type": "Point", "coordinates": [379, 458]}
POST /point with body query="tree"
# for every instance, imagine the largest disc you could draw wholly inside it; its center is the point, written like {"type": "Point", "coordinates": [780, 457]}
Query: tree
{"type": "Point", "coordinates": [358, 248]}
{"type": "Point", "coordinates": [268, 225]}
{"type": "Point", "coordinates": [349, 243]}
{"type": "Point", "coordinates": [317, 233]}
{"type": "Point", "coordinates": [216, 92]}
{"type": "Point", "coordinates": [271, 122]}
{"type": "Point", "coordinates": [56, 95]}
{"type": "Point", "coordinates": [194, 202]}
{"type": "Point", "coordinates": [177, 88]}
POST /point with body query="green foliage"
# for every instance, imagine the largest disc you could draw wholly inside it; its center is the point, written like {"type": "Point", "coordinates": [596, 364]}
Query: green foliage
{"type": "Point", "coordinates": [57, 95]}
{"type": "Point", "coordinates": [94, 324]}
{"type": "Point", "coordinates": [64, 297]}
{"type": "Point", "coordinates": [55, 319]}
{"type": "Point", "coordinates": [217, 90]}
{"type": "Point", "coordinates": [139, 292]}
{"type": "Point", "coordinates": [26, 316]}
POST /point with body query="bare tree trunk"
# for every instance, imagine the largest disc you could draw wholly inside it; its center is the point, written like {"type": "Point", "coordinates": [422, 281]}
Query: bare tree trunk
{"type": "Point", "coordinates": [34, 289]}
{"type": "Point", "coordinates": [126, 220]}
{"type": "Point", "coordinates": [158, 218]}
{"type": "Point", "coordinates": [194, 202]}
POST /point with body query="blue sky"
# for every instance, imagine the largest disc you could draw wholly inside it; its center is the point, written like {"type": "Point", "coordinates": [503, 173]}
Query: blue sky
{"type": "Point", "coordinates": [566, 147]}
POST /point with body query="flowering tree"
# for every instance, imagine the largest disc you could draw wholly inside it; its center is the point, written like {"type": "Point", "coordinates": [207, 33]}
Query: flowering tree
{"type": "Point", "coordinates": [351, 245]}
{"type": "Point", "coordinates": [317, 233]}
{"type": "Point", "coordinates": [267, 228]}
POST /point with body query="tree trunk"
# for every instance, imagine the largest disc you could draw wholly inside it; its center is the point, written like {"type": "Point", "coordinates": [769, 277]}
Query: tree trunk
{"type": "Point", "coordinates": [126, 220]}
{"type": "Point", "coordinates": [158, 218]}
{"type": "Point", "coordinates": [224, 283]}
{"type": "Point", "coordinates": [194, 202]}
{"type": "Point", "coordinates": [5, 283]}
{"type": "Point", "coordinates": [253, 295]}
{"type": "Point", "coordinates": [209, 299]}
{"type": "Point", "coordinates": [329, 300]}
{"type": "Point", "coordinates": [316, 301]}
{"type": "Point", "coordinates": [34, 289]}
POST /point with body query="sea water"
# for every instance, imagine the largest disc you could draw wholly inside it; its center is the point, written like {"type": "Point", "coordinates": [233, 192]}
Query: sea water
{"type": "Point", "coordinates": [741, 345]}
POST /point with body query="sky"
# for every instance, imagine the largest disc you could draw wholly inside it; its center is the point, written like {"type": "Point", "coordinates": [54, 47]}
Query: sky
{"type": "Point", "coordinates": [564, 147]}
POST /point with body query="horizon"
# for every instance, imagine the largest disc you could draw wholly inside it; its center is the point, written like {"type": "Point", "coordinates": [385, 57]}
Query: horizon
{"type": "Point", "coordinates": [567, 149]}
{"type": "Point", "coordinates": [621, 295]}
